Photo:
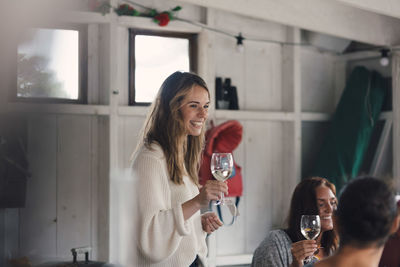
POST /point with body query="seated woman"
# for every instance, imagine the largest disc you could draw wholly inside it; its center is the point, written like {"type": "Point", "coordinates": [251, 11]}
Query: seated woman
{"type": "Point", "coordinates": [365, 217]}
{"type": "Point", "coordinates": [287, 247]}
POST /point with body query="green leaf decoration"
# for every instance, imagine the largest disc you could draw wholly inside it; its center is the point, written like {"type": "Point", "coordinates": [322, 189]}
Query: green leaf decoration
{"type": "Point", "coordinates": [153, 13]}
{"type": "Point", "coordinates": [118, 11]}
{"type": "Point", "coordinates": [127, 10]}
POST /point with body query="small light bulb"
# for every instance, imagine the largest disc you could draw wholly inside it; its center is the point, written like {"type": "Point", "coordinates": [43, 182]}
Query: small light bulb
{"type": "Point", "coordinates": [240, 48]}
{"type": "Point", "coordinates": [384, 57]}
{"type": "Point", "coordinates": [384, 61]}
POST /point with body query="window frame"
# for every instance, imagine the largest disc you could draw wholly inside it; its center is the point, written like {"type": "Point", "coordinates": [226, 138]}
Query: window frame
{"type": "Point", "coordinates": [82, 71]}
{"type": "Point", "coordinates": [192, 37]}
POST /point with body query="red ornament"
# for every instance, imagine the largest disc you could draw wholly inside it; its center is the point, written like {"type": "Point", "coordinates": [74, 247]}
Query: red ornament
{"type": "Point", "coordinates": [162, 19]}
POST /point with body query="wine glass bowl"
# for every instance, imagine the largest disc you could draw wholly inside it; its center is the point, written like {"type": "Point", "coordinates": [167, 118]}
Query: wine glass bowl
{"type": "Point", "coordinates": [310, 227]}
{"type": "Point", "coordinates": [221, 168]}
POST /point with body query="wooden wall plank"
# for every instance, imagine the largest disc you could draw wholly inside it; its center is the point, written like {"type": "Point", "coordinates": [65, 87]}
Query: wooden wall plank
{"type": "Point", "coordinates": [317, 83]}
{"type": "Point", "coordinates": [290, 177]}
{"type": "Point", "coordinates": [73, 183]}
{"type": "Point", "coordinates": [291, 146]}
{"type": "Point", "coordinates": [122, 85]}
{"type": "Point", "coordinates": [266, 83]}
{"type": "Point", "coordinates": [131, 136]}
{"type": "Point", "coordinates": [396, 117]}
{"type": "Point", "coordinates": [103, 213]}
{"type": "Point", "coordinates": [93, 64]}
{"type": "Point", "coordinates": [38, 221]}
{"type": "Point", "coordinates": [104, 64]}
{"type": "Point", "coordinates": [122, 191]}
{"type": "Point", "coordinates": [263, 172]}
{"type": "Point", "coordinates": [95, 205]}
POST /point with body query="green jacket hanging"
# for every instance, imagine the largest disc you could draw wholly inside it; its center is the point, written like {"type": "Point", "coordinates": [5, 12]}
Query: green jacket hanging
{"type": "Point", "coordinates": [342, 153]}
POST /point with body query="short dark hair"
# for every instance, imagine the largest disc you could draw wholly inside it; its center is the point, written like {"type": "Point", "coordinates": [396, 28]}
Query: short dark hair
{"type": "Point", "coordinates": [366, 212]}
{"type": "Point", "coordinates": [304, 201]}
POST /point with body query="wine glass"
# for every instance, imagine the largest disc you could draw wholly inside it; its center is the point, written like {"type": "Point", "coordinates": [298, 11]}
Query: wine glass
{"type": "Point", "coordinates": [221, 169]}
{"type": "Point", "coordinates": [310, 227]}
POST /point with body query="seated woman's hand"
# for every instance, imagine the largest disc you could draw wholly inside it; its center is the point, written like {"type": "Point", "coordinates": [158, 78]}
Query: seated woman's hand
{"type": "Point", "coordinates": [210, 222]}
{"type": "Point", "coordinates": [211, 191]}
{"type": "Point", "coordinates": [302, 249]}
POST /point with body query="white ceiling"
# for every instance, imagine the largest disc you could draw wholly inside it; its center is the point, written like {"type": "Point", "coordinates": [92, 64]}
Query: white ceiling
{"type": "Point", "coordinates": [375, 22]}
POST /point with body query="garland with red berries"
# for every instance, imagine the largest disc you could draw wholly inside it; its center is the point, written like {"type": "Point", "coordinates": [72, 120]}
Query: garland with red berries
{"type": "Point", "coordinates": [161, 18]}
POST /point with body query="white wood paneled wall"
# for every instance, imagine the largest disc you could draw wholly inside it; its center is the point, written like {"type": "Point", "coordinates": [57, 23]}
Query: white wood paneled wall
{"type": "Point", "coordinates": [40, 212]}
{"type": "Point", "coordinates": [317, 87]}
{"type": "Point", "coordinates": [257, 73]}
{"type": "Point", "coordinates": [269, 152]}
{"type": "Point", "coordinates": [80, 153]}
{"type": "Point", "coordinates": [61, 206]}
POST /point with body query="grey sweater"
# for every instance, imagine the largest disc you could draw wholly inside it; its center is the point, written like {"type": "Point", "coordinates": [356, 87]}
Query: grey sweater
{"type": "Point", "coordinates": [274, 251]}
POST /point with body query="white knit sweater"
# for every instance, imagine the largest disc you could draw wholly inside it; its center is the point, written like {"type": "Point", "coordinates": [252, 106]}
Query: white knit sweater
{"type": "Point", "coordinates": [164, 238]}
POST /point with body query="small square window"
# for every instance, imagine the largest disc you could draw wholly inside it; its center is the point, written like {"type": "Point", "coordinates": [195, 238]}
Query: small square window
{"type": "Point", "coordinates": [153, 57]}
{"type": "Point", "coordinates": [50, 66]}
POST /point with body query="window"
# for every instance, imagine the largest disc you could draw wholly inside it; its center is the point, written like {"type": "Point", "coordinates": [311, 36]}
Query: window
{"type": "Point", "coordinates": [51, 65]}
{"type": "Point", "coordinates": [153, 57]}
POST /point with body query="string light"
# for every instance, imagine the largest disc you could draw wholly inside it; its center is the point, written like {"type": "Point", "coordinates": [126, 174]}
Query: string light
{"type": "Point", "coordinates": [384, 61]}
{"type": "Point", "coordinates": [239, 37]}
{"type": "Point", "coordinates": [384, 57]}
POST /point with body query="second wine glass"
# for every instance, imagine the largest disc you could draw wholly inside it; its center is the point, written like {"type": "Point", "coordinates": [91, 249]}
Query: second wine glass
{"type": "Point", "coordinates": [221, 169]}
{"type": "Point", "coordinates": [310, 227]}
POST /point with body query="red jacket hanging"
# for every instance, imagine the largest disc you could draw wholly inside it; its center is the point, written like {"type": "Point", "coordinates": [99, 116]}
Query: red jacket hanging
{"type": "Point", "coordinates": [223, 138]}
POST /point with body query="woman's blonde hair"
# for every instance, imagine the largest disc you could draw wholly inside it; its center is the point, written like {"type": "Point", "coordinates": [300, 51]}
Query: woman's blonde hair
{"type": "Point", "coordinates": [164, 125]}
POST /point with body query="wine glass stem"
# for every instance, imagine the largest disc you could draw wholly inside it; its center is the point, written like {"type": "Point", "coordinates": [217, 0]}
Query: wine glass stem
{"type": "Point", "coordinates": [221, 201]}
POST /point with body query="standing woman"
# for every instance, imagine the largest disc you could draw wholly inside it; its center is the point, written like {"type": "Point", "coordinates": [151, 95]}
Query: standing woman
{"type": "Point", "coordinates": [288, 247]}
{"type": "Point", "coordinates": [170, 229]}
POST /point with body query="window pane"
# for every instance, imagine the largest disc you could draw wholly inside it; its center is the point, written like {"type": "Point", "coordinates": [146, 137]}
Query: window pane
{"type": "Point", "coordinates": [157, 58]}
{"type": "Point", "coordinates": [48, 64]}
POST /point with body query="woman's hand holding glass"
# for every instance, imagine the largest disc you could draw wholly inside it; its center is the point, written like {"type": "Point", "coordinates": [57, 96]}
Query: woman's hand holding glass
{"type": "Point", "coordinates": [301, 250]}
{"type": "Point", "coordinates": [212, 190]}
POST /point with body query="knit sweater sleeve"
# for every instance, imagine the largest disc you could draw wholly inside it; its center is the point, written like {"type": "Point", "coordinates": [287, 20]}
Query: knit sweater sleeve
{"type": "Point", "coordinates": [161, 225]}
{"type": "Point", "coordinates": [274, 251]}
